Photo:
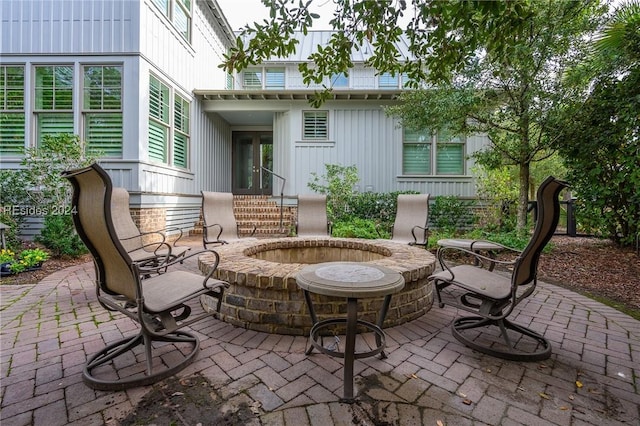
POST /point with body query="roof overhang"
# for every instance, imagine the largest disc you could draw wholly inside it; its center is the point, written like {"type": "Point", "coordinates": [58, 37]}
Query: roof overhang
{"type": "Point", "coordinates": [257, 108]}
{"type": "Point", "coordinates": [296, 95]}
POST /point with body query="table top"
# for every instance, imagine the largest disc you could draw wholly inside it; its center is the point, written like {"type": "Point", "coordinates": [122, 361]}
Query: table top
{"type": "Point", "coordinates": [466, 244]}
{"type": "Point", "coordinates": [349, 279]}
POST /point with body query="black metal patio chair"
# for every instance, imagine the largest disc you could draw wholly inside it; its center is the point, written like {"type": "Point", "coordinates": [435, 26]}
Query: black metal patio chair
{"type": "Point", "coordinates": [492, 296]}
{"type": "Point", "coordinates": [156, 297]}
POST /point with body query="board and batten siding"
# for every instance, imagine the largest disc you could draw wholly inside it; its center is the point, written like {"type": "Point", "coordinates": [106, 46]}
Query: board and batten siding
{"type": "Point", "coordinates": [364, 137]}
{"type": "Point", "coordinates": [67, 27]}
{"type": "Point", "coordinates": [210, 150]}
{"type": "Point", "coordinates": [372, 141]}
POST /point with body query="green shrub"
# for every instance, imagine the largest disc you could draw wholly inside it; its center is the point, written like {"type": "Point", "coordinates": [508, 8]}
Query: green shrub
{"type": "Point", "coordinates": [449, 213]}
{"type": "Point", "coordinates": [337, 184]}
{"type": "Point", "coordinates": [356, 227]}
{"type": "Point", "coordinates": [59, 236]}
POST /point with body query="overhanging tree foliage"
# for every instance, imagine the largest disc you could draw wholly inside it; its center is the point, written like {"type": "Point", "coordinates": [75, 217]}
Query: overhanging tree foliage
{"type": "Point", "coordinates": [504, 59]}
{"type": "Point", "coordinates": [512, 99]}
{"type": "Point", "coordinates": [443, 36]}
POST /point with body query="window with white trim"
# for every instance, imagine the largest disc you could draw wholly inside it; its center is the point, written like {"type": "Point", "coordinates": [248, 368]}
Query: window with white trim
{"type": "Point", "coordinates": [339, 81]}
{"type": "Point", "coordinates": [387, 81]}
{"type": "Point", "coordinates": [424, 152]}
{"type": "Point", "coordinates": [102, 109]}
{"type": "Point", "coordinates": [252, 78]}
{"type": "Point", "coordinates": [181, 131]}
{"type": "Point", "coordinates": [178, 12]}
{"type": "Point", "coordinates": [274, 78]}
{"type": "Point", "coordinates": [169, 125]}
{"type": "Point", "coordinates": [315, 125]}
{"type": "Point", "coordinates": [12, 115]}
{"type": "Point", "coordinates": [263, 78]}
{"type": "Point", "coordinates": [53, 100]}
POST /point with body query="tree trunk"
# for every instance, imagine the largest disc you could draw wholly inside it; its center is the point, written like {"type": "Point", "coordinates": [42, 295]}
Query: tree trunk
{"type": "Point", "coordinates": [523, 196]}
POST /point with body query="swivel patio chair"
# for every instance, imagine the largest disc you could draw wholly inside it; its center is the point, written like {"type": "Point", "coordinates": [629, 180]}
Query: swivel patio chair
{"type": "Point", "coordinates": [492, 296]}
{"type": "Point", "coordinates": [411, 222]}
{"type": "Point", "coordinates": [157, 297]}
{"type": "Point", "coordinates": [220, 225]}
{"type": "Point", "coordinates": [312, 216]}
{"type": "Point", "coordinates": [141, 246]}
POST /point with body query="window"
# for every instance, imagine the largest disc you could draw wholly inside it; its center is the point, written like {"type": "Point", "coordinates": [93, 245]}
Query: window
{"type": "Point", "coordinates": [53, 100]}
{"type": "Point", "coordinates": [315, 125]}
{"type": "Point", "coordinates": [387, 81]}
{"type": "Point", "coordinates": [168, 138]}
{"type": "Point", "coordinates": [422, 150]}
{"type": "Point", "coordinates": [179, 13]}
{"type": "Point", "coordinates": [12, 136]}
{"type": "Point", "coordinates": [450, 154]}
{"type": "Point", "coordinates": [274, 78]}
{"type": "Point", "coordinates": [158, 120]}
{"type": "Point", "coordinates": [416, 153]}
{"type": "Point", "coordinates": [181, 132]}
{"type": "Point", "coordinates": [102, 109]}
{"type": "Point", "coordinates": [339, 81]}
{"type": "Point", "coordinates": [253, 78]}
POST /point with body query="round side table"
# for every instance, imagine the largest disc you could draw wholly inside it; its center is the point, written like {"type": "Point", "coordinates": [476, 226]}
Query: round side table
{"type": "Point", "coordinates": [353, 281]}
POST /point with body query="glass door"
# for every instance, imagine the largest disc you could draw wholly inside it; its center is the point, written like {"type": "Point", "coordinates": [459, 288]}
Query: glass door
{"type": "Point", "coordinates": [252, 154]}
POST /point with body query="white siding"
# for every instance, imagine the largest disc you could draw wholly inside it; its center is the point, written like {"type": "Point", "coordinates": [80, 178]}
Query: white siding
{"type": "Point", "coordinates": [211, 151]}
{"type": "Point", "coordinates": [65, 26]}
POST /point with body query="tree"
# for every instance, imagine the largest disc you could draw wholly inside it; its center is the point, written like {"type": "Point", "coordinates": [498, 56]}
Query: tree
{"type": "Point", "coordinates": [443, 36]}
{"type": "Point", "coordinates": [504, 59]}
{"type": "Point", "coordinates": [600, 136]}
{"type": "Point", "coordinates": [512, 99]}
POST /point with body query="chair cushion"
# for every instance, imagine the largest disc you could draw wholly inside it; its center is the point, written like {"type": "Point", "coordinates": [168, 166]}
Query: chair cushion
{"type": "Point", "coordinates": [164, 291]}
{"type": "Point", "coordinates": [478, 280]}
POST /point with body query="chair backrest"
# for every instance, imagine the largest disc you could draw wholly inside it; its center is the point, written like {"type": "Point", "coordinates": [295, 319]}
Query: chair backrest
{"type": "Point", "coordinates": [93, 221]}
{"type": "Point", "coordinates": [548, 206]}
{"type": "Point", "coordinates": [125, 227]}
{"type": "Point", "coordinates": [413, 210]}
{"type": "Point", "coordinates": [217, 208]}
{"type": "Point", "coordinates": [312, 215]}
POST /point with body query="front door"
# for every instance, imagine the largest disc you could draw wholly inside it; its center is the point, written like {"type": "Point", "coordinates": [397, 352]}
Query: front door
{"type": "Point", "coordinates": [252, 154]}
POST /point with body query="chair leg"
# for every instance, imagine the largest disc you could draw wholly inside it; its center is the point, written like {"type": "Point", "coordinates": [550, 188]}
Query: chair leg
{"type": "Point", "coordinates": [111, 379]}
{"type": "Point", "coordinates": [541, 346]}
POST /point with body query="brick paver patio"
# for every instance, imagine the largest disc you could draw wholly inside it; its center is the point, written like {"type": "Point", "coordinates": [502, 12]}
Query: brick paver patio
{"type": "Point", "coordinates": [49, 329]}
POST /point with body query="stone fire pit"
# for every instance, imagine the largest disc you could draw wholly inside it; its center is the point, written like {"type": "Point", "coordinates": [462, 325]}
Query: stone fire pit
{"type": "Point", "coordinates": [263, 294]}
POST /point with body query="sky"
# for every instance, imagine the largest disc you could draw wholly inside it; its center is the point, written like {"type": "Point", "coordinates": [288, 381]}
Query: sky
{"type": "Point", "coordinates": [241, 12]}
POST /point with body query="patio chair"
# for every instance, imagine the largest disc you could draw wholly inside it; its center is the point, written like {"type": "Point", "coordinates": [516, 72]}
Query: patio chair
{"type": "Point", "coordinates": [220, 225]}
{"type": "Point", "coordinates": [155, 297]}
{"type": "Point", "coordinates": [312, 216]}
{"type": "Point", "coordinates": [141, 246]}
{"type": "Point", "coordinates": [411, 222]}
{"type": "Point", "coordinates": [492, 296]}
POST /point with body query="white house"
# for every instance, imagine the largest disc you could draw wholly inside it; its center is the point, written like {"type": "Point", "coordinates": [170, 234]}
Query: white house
{"type": "Point", "coordinates": [139, 80]}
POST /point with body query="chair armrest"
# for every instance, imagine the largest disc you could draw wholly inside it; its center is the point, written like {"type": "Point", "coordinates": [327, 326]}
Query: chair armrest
{"type": "Point", "coordinates": [143, 270]}
{"type": "Point", "coordinates": [443, 262]}
{"type": "Point", "coordinates": [165, 231]}
{"type": "Point", "coordinates": [205, 236]}
{"type": "Point", "coordinates": [501, 246]}
{"type": "Point", "coordinates": [425, 235]}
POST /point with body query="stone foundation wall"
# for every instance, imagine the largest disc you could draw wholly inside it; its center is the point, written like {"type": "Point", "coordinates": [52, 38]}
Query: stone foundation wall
{"type": "Point", "coordinates": [264, 296]}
